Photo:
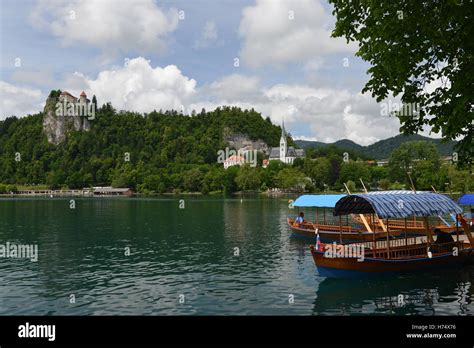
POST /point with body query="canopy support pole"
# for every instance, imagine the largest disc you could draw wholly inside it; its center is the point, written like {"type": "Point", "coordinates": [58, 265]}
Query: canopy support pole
{"type": "Point", "coordinates": [388, 241]}
{"type": "Point", "coordinates": [340, 229]}
{"type": "Point", "coordinates": [379, 219]}
{"type": "Point", "coordinates": [362, 217]}
{"type": "Point", "coordinates": [375, 245]}
{"type": "Point", "coordinates": [406, 238]}
{"type": "Point", "coordinates": [457, 229]}
{"type": "Point", "coordinates": [428, 232]}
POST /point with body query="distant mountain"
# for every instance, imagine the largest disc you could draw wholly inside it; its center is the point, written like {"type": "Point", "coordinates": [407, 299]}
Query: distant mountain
{"type": "Point", "coordinates": [349, 145]}
{"type": "Point", "coordinates": [383, 148]}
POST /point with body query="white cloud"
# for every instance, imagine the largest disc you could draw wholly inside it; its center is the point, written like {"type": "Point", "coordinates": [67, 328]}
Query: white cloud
{"type": "Point", "coordinates": [40, 78]}
{"type": "Point", "coordinates": [138, 26]}
{"type": "Point", "coordinates": [138, 86]}
{"type": "Point", "coordinates": [235, 87]}
{"type": "Point", "coordinates": [208, 35]}
{"type": "Point", "coordinates": [323, 114]}
{"type": "Point", "coordinates": [285, 31]}
{"type": "Point", "coordinates": [19, 101]}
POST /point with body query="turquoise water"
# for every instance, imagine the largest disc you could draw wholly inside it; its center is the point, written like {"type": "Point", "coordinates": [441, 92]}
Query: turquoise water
{"type": "Point", "coordinates": [185, 262]}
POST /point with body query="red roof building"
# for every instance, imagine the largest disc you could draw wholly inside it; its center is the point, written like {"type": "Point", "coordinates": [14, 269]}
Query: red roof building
{"type": "Point", "coordinates": [234, 161]}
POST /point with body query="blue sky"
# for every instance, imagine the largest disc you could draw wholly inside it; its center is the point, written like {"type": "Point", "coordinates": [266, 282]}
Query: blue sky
{"type": "Point", "coordinates": [144, 55]}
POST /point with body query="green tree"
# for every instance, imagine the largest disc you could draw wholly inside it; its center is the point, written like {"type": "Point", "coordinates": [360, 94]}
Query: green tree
{"type": "Point", "coordinates": [454, 180]}
{"type": "Point", "coordinates": [11, 188]}
{"type": "Point", "coordinates": [354, 171]}
{"type": "Point", "coordinates": [319, 170]}
{"type": "Point", "coordinates": [410, 45]}
{"type": "Point", "coordinates": [419, 158]}
{"type": "Point", "coordinates": [384, 184]}
{"type": "Point", "coordinates": [214, 179]}
{"type": "Point", "coordinates": [248, 178]}
{"type": "Point", "coordinates": [292, 179]}
{"type": "Point", "coordinates": [94, 103]}
{"type": "Point", "coordinates": [193, 180]}
{"type": "Point", "coordinates": [351, 186]}
{"type": "Point", "coordinates": [230, 184]}
{"type": "Point", "coordinates": [378, 173]}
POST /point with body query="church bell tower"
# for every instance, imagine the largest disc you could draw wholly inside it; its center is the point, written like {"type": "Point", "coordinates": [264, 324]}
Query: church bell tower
{"type": "Point", "coordinates": [283, 144]}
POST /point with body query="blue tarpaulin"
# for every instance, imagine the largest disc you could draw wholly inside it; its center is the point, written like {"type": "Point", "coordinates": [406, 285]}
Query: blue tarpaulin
{"type": "Point", "coordinates": [397, 204]}
{"type": "Point", "coordinates": [466, 199]}
{"type": "Point", "coordinates": [322, 201]}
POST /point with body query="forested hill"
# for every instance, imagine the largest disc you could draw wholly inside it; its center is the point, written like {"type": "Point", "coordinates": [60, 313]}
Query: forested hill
{"type": "Point", "coordinates": [165, 145]}
{"type": "Point", "coordinates": [383, 148]}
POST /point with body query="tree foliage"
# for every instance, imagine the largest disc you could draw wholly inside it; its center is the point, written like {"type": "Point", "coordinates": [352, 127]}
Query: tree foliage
{"type": "Point", "coordinates": [423, 51]}
{"type": "Point", "coordinates": [164, 152]}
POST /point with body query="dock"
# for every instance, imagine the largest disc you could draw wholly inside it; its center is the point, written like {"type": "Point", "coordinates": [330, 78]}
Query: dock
{"type": "Point", "coordinates": [85, 192]}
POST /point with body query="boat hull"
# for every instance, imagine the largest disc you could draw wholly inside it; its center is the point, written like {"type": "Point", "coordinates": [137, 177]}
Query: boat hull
{"type": "Point", "coordinates": [351, 267]}
{"type": "Point", "coordinates": [334, 236]}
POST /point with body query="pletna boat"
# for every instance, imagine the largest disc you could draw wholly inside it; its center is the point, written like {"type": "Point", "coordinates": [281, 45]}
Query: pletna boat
{"type": "Point", "coordinates": [438, 248]}
{"type": "Point", "coordinates": [353, 228]}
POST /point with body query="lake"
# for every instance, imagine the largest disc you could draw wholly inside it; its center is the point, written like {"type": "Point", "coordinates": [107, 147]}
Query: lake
{"type": "Point", "coordinates": [212, 256]}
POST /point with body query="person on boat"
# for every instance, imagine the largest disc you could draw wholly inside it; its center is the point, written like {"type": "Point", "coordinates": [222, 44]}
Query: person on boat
{"type": "Point", "coordinates": [299, 219]}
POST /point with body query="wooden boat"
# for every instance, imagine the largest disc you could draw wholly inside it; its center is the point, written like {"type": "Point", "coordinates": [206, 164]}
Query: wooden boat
{"type": "Point", "coordinates": [354, 228]}
{"type": "Point", "coordinates": [396, 254]}
{"type": "Point", "coordinates": [327, 229]}
{"type": "Point", "coordinates": [329, 233]}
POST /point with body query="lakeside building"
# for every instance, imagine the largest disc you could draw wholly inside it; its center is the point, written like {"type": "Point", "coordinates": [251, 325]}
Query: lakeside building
{"type": "Point", "coordinates": [86, 192]}
{"type": "Point", "coordinates": [111, 191]}
{"type": "Point", "coordinates": [234, 160]}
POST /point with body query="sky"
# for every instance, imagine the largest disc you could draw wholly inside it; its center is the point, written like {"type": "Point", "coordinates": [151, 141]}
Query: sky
{"type": "Point", "coordinates": [276, 56]}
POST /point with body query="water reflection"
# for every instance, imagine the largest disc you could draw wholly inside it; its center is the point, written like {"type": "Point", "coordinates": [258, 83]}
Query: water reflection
{"type": "Point", "coordinates": [422, 293]}
{"type": "Point", "coordinates": [190, 252]}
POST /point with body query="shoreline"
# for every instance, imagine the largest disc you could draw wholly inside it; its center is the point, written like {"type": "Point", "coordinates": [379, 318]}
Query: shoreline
{"type": "Point", "coordinates": [90, 194]}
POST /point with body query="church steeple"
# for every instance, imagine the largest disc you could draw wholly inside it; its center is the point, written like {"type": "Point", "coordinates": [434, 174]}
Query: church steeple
{"type": "Point", "coordinates": [283, 144]}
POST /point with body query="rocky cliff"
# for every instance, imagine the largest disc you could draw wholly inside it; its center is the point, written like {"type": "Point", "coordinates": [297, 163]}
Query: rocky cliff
{"type": "Point", "coordinates": [57, 127]}
{"type": "Point", "coordinates": [239, 141]}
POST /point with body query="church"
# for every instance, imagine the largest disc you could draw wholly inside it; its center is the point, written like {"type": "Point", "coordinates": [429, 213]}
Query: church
{"type": "Point", "coordinates": [284, 153]}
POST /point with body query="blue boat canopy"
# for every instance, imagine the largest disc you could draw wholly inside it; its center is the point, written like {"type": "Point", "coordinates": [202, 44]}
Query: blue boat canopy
{"type": "Point", "coordinates": [466, 199]}
{"type": "Point", "coordinates": [321, 201]}
{"type": "Point", "coordinates": [397, 204]}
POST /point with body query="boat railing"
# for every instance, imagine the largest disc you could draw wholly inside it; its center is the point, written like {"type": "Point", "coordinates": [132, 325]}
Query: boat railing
{"type": "Point", "coordinates": [328, 225]}
{"type": "Point", "coordinates": [393, 223]}
{"type": "Point", "coordinates": [414, 250]}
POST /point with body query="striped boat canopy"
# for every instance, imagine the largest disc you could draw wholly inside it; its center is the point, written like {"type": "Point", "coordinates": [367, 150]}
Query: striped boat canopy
{"type": "Point", "coordinates": [467, 198]}
{"type": "Point", "coordinates": [397, 204]}
{"type": "Point", "coordinates": [321, 201]}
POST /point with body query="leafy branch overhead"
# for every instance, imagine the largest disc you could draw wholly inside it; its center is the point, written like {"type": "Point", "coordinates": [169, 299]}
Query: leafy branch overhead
{"type": "Point", "coordinates": [422, 51]}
